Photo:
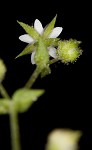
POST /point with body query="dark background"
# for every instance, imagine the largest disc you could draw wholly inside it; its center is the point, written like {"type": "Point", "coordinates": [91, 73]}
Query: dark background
{"type": "Point", "coordinates": [67, 100]}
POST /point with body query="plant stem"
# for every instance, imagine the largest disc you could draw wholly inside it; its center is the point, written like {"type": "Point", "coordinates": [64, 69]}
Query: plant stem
{"type": "Point", "coordinates": [53, 61]}
{"type": "Point", "coordinates": [33, 78]}
{"type": "Point", "coordinates": [4, 92]}
{"type": "Point", "coordinates": [14, 127]}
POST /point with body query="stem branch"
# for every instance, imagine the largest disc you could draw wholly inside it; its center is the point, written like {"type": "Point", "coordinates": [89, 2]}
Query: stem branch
{"type": "Point", "coordinates": [4, 92]}
{"type": "Point", "coordinates": [33, 78]}
{"type": "Point", "coordinates": [14, 127]}
{"type": "Point", "coordinates": [53, 61]}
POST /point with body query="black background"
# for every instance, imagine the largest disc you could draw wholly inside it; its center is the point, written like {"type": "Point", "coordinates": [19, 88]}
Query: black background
{"type": "Point", "coordinates": [67, 100]}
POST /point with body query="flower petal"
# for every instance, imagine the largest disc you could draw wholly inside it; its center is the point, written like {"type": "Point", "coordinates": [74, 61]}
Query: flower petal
{"type": "Point", "coordinates": [38, 26]}
{"type": "Point", "coordinates": [55, 32]}
{"type": "Point", "coordinates": [52, 51]}
{"type": "Point", "coordinates": [26, 38]}
{"type": "Point", "coordinates": [32, 58]}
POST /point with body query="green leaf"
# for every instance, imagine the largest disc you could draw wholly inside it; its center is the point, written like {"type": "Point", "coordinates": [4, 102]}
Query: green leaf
{"type": "Point", "coordinates": [4, 106]}
{"type": "Point", "coordinates": [30, 30]}
{"type": "Point", "coordinates": [49, 28]}
{"type": "Point", "coordinates": [45, 71]}
{"type": "Point", "coordinates": [27, 50]}
{"type": "Point", "coordinates": [42, 55]}
{"type": "Point", "coordinates": [24, 98]}
{"type": "Point", "coordinates": [52, 41]}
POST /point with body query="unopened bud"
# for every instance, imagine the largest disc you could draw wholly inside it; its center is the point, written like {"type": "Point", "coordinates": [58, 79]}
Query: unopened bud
{"type": "Point", "coordinates": [69, 50]}
{"type": "Point", "coordinates": [2, 70]}
{"type": "Point", "coordinates": [61, 139]}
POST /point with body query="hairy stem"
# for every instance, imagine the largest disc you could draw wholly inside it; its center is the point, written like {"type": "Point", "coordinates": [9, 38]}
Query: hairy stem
{"type": "Point", "coordinates": [14, 127]}
{"type": "Point", "coordinates": [33, 78]}
{"type": "Point", "coordinates": [4, 92]}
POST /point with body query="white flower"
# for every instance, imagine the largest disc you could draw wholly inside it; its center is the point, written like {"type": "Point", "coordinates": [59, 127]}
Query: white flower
{"type": "Point", "coordinates": [39, 28]}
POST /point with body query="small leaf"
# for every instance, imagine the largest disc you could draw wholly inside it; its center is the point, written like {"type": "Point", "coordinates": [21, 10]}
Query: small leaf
{"type": "Point", "coordinates": [42, 55]}
{"type": "Point", "coordinates": [30, 30]}
{"type": "Point", "coordinates": [24, 98]}
{"type": "Point", "coordinates": [4, 106]}
{"type": "Point", "coordinates": [45, 71]}
{"type": "Point", "coordinates": [49, 27]}
{"type": "Point", "coordinates": [27, 50]}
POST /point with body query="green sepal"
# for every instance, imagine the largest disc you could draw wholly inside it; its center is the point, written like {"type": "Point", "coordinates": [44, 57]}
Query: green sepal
{"type": "Point", "coordinates": [24, 98]}
{"type": "Point", "coordinates": [49, 28]}
{"type": "Point", "coordinates": [27, 50]}
{"type": "Point", "coordinates": [4, 106]}
{"type": "Point", "coordinates": [41, 56]}
{"type": "Point", "coordinates": [52, 42]}
{"type": "Point", "coordinates": [30, 30]}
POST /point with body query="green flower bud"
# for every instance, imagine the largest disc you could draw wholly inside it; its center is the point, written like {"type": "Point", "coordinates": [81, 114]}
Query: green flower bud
{"type": "Point", "coordinates": [2, 70]}
{"type": "Point", "coordinates": [63, 139]}
{"type": "Point", "coordinates": [69, 51]}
